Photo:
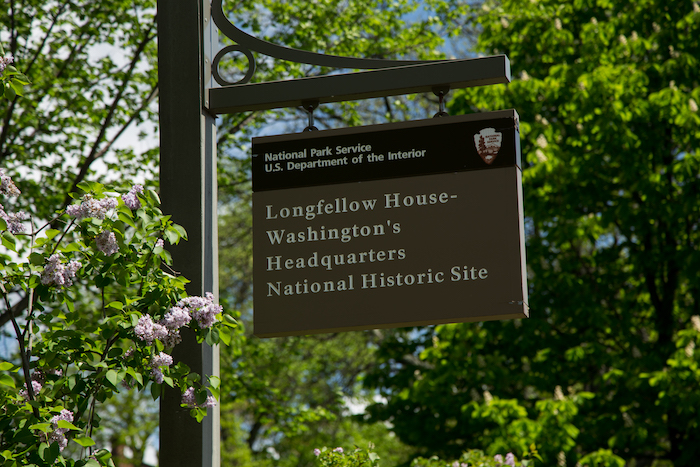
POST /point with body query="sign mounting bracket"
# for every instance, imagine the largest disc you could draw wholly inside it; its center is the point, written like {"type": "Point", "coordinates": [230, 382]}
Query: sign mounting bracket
{"type": "Point", "coordinates": [381, 77]}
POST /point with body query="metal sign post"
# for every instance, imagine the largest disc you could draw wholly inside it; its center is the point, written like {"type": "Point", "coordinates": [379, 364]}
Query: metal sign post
{"type": "Point", "coordinates": [186, 38]}
{"type": "Point", "coordinates": [188, 62]}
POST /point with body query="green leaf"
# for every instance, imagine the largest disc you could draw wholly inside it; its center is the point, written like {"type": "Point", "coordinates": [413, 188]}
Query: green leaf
{"type": "Point", "coordinates": [112, 377]}
{"type": "Point", "coordinates": [7, 380]}
{"type": "Point", "coordinates": [180, 230]}
{"type": "Point", "coordinates": [229, 320]}
{"type": "Point", "coordinates": [102, 281]}
{"type": "Point", "coordinates": [126, 219]}
{"type": "Point", "coordinates": [85, 441]}
{"type": "Point", "coordinates": [72, 247]}
{"type": "Point", "coordinates": [43, 427]}
{"type": "Point", "coordinates": [212, 337]}
{"type": "Point", "coordinates": [67, 425]}
{"type": "Point", "coordinates": [9, 241]}
{"type": "Point", "coordinates": [103, 455]}
{"type": "Point", "coordinates": [6, 366]}
{"type": "Point", "coordinates": [17, 87]}
{"type": "Point", "coordinates": [33, 282]}
{"type": "Point", "coordinates": [137, 376]}
{"type": "Point", "coordinates": [21, 78]}
{"type": "Point", "coordinates": [10, 93]}
{"type": "Point", "coordinates": [37, 259]}
{"type": "Point", "coordinates": [225, 336]}
{"type": "Point", "coordinates": [171, 236]}
{"type": "Point", "coordinates": [155, 390]}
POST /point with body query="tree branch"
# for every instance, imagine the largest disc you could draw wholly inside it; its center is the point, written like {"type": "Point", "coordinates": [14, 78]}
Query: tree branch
{"type": "Point", "coordinates": [94, 152]}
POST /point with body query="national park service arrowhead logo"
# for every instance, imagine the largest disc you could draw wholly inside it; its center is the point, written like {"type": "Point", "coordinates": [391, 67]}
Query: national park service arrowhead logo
{"type": "Point", "coordinates": [488, 142]}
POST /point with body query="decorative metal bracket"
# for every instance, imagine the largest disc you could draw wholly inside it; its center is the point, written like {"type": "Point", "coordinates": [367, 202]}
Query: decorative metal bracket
{"type": "Point", "coordinates": [387, 78]}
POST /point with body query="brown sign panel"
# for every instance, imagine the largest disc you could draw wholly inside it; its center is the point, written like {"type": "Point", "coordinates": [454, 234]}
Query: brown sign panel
{"type": "Point", "coordinates": [374, 253]}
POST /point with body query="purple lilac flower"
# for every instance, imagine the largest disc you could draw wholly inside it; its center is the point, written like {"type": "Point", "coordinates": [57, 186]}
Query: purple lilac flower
{"type": "Point", "coordinates": [36, 387]}
{"type": "Point", "coordinates": [57, 273]}
{"type": "Point", "coordinates": [7, 186]}
{"type": "Point", "coordinates": [131, 199]}
{"type": "Point", "coordinates": [159, 243]}
{"type": "Point", "coordinates": [148, 331]}
{"type": "Point", "coordinates": [317, 452]}
{"type": "Point", "coordinates": [91, 207]}
{"type": "Point", "coordinates": [157, 375]}
{"type": "Point", "coordinates": [338, 449]}
{"type": "Point", "coordinates": [172, 338]}
{"type": "Point", "coordinates": [510, 459]}
{"type": "Point", "coordinates": [162, 359]}
{"type": "Point", "coordinates": [203, 309]}
{"type": "Point", "coordinates": [13, 220]}
{"type": "Point", "coordinates": [107, 243]}
{"type": "Point", "coordinates": [176, 318]}
{"type": "Point", "coordinates": [4, 61]}
{"type": "Point", "coordinates": [188, 399]}
{"type": "Point", "coordinates": [58, 435]}
{"type": "Point", "coordinates": [498, 458]}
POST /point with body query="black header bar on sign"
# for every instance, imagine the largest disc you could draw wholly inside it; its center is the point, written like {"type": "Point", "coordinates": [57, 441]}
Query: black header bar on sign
{"type": "Point", "coordinates": [440, 145]}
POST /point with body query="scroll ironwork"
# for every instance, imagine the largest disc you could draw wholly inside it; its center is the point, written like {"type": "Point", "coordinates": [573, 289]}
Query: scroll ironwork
{"type": "Point", "coordinates": [246, 44]}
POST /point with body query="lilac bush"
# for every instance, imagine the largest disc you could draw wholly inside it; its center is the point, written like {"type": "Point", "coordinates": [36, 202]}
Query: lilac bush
{"type": "Point", "coordinates": [74, 355]}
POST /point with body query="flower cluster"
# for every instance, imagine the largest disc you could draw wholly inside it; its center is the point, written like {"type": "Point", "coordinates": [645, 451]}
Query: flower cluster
{"type": "Point", "coordinates": [188, 399]}
{"type": "Point", "coordinates": [510, 459]}
{"type": "Point", "coordinates": [148, 331]}
{"type": "Point", "coordinates": [203, 309]}
{"type": "Point", "coordinates": [58, 435]}
{"type": "Point", "coordinates": [13, 220]}
{"type": "Point", "coordinates": [167, 330]}
{"type": "Point", "coordinates": [107, 243]}
{"type": "Point", "coordinates": [36, 387]}
{"type": "Point", "coordinates": [173, 321]}
{"type": "Point", "coordinates": [57, 273]}
{"type": "Point", "coordinates": [4, 61]}
{"type": "Point", "coordinates": [131, 199]}
{"type": "Point", "coordinates": [7, 186]}
{"type": "Point", "coordinates": [160, 360]}
{"type": "Point", "coordinates": [91, 207]}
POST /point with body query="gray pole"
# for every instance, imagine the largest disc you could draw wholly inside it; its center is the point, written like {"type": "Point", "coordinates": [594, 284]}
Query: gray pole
{"type": "Point", "coordinates": [188, 191]}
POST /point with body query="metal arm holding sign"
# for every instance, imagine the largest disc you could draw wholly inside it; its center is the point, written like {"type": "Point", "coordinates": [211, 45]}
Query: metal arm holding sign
{"type": "Point", "coordinates": [387, 78]}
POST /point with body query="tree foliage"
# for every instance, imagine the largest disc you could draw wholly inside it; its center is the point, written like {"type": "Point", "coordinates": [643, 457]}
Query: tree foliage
{"type": "Point", "coordinates": [607, 93]}
{"type": "Point", "coordinates": [92, 71]}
